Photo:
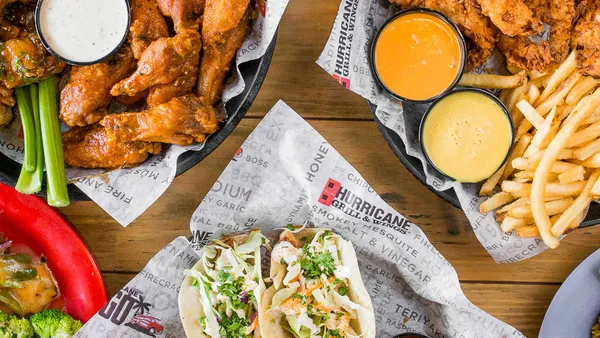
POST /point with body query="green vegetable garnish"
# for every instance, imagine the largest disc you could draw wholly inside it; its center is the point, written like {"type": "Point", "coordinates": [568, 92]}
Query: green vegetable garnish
{"type": "Point", "coordinates": [233, 326]}
{"type": "Point", "coordinates": [301, 297]}
{"type": "Point", "coordinates": [58, 195]}
{"type": "Point", "coordinates": [315, 265]}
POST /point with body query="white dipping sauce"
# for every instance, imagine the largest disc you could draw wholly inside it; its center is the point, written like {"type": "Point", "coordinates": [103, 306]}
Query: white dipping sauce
{"type": "Point", "coordinates": [83, 30]}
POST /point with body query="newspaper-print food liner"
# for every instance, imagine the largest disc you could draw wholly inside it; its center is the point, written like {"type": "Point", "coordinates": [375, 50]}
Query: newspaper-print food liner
{"type": "Point", "coordinates": [346, 58]}
{"type": "Point", "coordinates": [126, 193]}
{"type": "Point", "coordinates": [286, 173]}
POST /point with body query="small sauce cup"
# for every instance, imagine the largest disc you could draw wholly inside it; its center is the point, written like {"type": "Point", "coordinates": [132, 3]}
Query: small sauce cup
{"type": "Point", "coordinates": [410, 335]}
{"type": "Point", "coordinates": [82, 32]}
{"type": "Point", "coordinates": [418, 55]}
{"type": "Point", "coordinates": [467, 135]}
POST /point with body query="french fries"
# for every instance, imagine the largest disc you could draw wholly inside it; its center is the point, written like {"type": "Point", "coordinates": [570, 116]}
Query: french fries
{"type": "Point", "coordinates": [491, 81]}
{"type": "Point", "coordinates": [553, 172]}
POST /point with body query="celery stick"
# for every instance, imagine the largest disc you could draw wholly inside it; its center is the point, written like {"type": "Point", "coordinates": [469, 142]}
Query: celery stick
{"type": "Point", "coordinates": [39, 147]}
{"type": "Point", "coordinates": [26, 113]}
{"type": "Point", "coordinates": [58, 195]}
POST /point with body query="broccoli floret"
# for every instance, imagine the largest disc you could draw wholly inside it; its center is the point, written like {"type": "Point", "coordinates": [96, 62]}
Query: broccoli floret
{"type": "Point", "coordinates": [14, 327]}
{"type": "Point", "coordinates": [20, 328]}
{"type": "Point", "coordinates": [54, 324]}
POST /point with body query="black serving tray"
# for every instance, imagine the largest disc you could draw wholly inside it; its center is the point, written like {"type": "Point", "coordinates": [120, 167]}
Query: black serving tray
{"type": "Point", "coordinates": [416, 168]}
{"type": "Point", "coordinates": [253, 72]}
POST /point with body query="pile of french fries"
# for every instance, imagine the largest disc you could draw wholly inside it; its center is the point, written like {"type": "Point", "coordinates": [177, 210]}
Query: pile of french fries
{"type": "Point", "coordinates": [551, 176]}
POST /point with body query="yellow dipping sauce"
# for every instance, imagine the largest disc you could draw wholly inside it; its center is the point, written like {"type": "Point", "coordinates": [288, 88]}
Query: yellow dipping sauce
{"type": "Point", "coordinates": [418, 56]}
{"type": "Point", "coordinates": [467, 136]}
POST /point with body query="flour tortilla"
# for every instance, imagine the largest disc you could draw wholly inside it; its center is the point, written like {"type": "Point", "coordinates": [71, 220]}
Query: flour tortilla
{"type": "Point", "coordinates": [190, 307]}
{"type": "Point", "coordinates": [271, 321]}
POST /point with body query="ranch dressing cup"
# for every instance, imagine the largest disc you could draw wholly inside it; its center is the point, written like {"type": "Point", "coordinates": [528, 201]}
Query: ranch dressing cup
{"type": "Point", "coordinates": [82, 32]}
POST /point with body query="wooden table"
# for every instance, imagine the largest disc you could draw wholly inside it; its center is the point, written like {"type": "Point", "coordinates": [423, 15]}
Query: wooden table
{"type": "Point", "coordinates": [518, 294]}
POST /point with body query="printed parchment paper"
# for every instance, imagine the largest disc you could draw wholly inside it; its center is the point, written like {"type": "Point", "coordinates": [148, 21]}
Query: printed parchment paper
{"type": "Point", "coordinates": [126, 193]}
{"type": "Point", "coordinates": [285, 172]}
{"type": "Point", "coordinates": [346, 58]}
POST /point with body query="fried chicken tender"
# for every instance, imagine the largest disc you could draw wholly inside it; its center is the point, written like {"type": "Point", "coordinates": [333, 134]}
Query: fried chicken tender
{"type": "Point", "coordinates": [512, 17]}
{"type": "Point", "coordinates": [183, 120]}
{"type": "Point", "coordinates": [165, 61]}
{"type": "Point", "coordinates": [523, 53]}
{"type": "Point", "coordinates": [478, 30]}
{"type": "Point", "coordinates": [90, 147]}
{"type": "Point", "coordinates": [147, 25]}
{"type": "Point", "coordinates": [585, 39]}
{"type": "Point", "coordinates": [85, 98]}
{"type": "Point", "coordinates": [223, 31]}
{"type": "Point", "coordinates": [25, 60]}
{"type": "Point", "coordinates": [186, 14]}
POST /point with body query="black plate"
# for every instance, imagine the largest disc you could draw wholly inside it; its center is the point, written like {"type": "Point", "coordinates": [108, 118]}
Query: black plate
{"type": "Point", "coordinates": [415, 167]}
{"type": "Point", "coordinates": [254, 73]}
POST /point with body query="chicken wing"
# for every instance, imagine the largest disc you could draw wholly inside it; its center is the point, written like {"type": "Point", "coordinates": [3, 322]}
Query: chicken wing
{"type": "Point", "coordinates": [186, 14]}
{"type": "Point", "coordinates": [90, 147]}
{"type": "Point", "coordinates": [223, 31]}
{"type": "Point", "coordinates": [6, 102]}
{"type": "Point", "coordinates": [512, 17]}
{"type": "Point", "coordinates": [87, 93]}
{"type": "Point", "coordinates": [181, 86]}
{"type": "Point", "coordinates": [478, 30]}
{"type": "Point", "coordinates": [183, 120]}
{"type": "Point", "coordinates": [585, 39]}
{"type": "Point", "coordinates": [164, 61]}
{"type": "Point", "coordinates": [147, 25]}
{"type": "Point", "coordinates": [25, 60]}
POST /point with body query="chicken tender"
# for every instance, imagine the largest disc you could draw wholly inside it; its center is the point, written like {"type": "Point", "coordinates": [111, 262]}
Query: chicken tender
{"type": "Point", "coordinates": [512, 17]}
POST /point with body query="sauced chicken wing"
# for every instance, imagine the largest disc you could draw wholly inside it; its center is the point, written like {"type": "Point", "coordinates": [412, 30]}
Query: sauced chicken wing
{"type": "Point", "coordinates": [478, 30]}
{"type": "Point", "coordinates": [165, 61]}
{"type": "Point", "coordinates": [25, 60]}
{"type": "Point", "coordinates": [186, 14]}
{"type": "Point", "coordinates": [147, 25]}
{"type": "Point", "coordinates": [6, 101]}
{"type": "Point", "coordinates": [36, 293]}
{"type": "Point", "coordinates": [183, 120]}
{"type": "Point", "coordinates": [90, 147]}
{"type": "Point", "coordinates": [512, 17]}
{"type": "Point", "coordinates": [87, 94]}
{"type": "Point", "coordinates": [223, 30]}
{"type": "Point", "coordinates": [181, 86]}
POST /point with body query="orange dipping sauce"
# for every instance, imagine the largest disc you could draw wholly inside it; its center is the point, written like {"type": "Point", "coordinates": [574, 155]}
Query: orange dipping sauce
{"type": "Point", "coordinates": [418, 56]}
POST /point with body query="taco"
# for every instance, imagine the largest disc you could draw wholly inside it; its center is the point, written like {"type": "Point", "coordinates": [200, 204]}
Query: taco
{"type": "Point", "coordinates": [317, 289]}
{"type": "Point", "coordinates": [221, 295]}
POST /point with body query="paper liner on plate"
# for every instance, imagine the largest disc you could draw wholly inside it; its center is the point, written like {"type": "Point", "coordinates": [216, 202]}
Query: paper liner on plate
{"type": "Point", "coordinates": [126, 193]}
{"type": "Point", "coordinates": [285, 172]}
{"type": "Point", "coordinates": [346, 57]}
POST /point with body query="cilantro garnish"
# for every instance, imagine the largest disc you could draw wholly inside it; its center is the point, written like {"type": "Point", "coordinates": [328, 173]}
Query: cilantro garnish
{"type": "Point", "coordinates": [316, 264]}
{"type": "Point", "coordinates": [332, 333]}
{"type": "Point", "coordinates": [301, 297]}
{"type": "Point", "coordinates": [233, 326]}
{"type": "Point", "coordinates": [291, 227]}
{"type": "Point", "coordinates": [231, 288]}
{"type": "Point", "coordinates": [342, 290]}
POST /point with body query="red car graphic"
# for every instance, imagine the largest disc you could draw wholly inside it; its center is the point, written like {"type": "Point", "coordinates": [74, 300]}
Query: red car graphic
{"type": "Point", "coordinates": [145, 323]}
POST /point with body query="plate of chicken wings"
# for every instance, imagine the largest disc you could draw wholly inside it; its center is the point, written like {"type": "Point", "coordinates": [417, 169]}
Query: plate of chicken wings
{"type": "Point", "coordinates": [162, 87]}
